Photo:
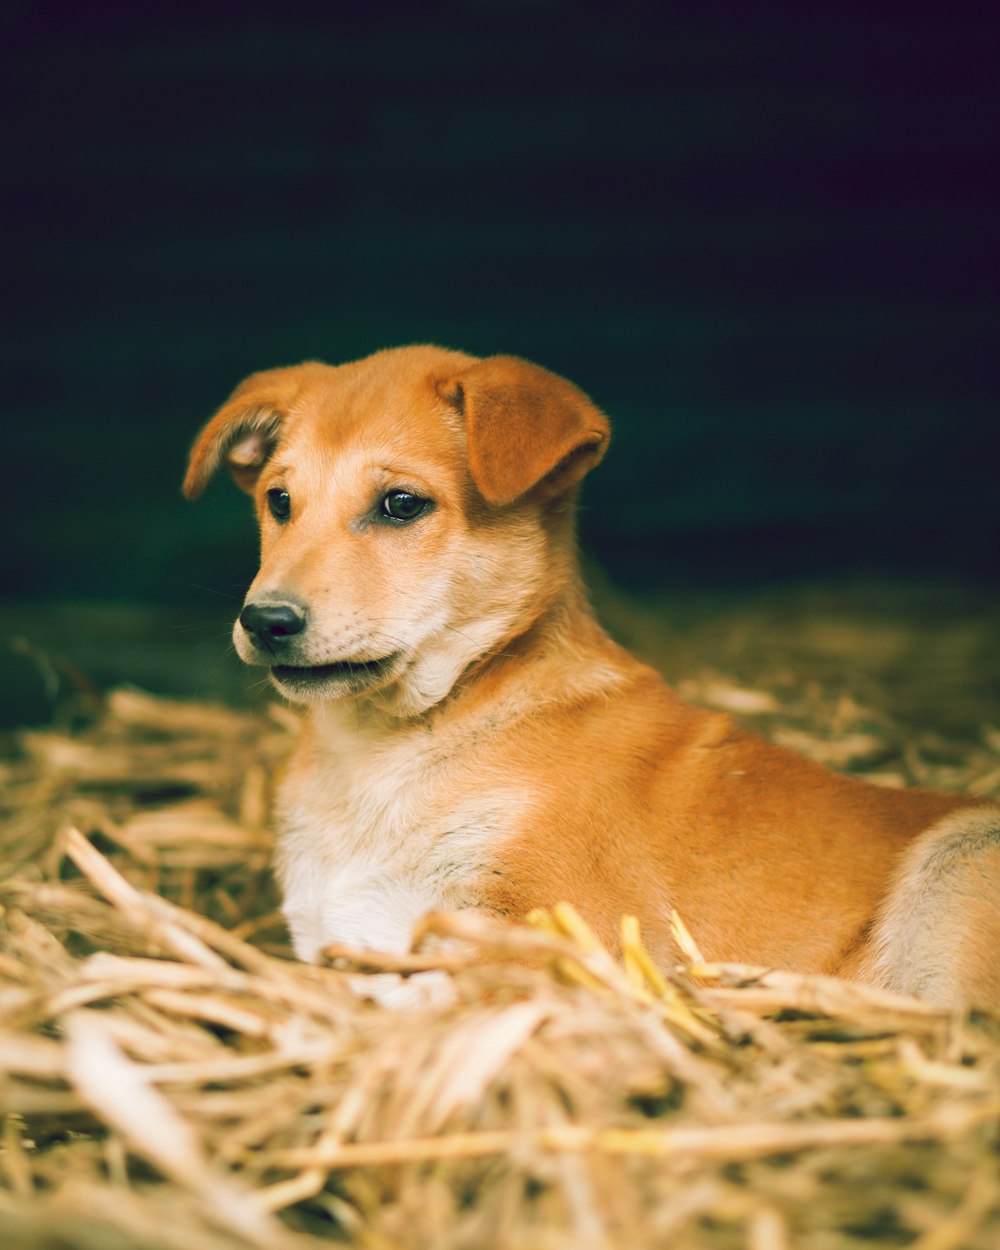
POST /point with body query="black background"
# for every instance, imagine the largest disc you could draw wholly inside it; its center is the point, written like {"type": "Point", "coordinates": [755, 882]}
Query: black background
{"type": "Point", "coordinates": [762, 236]}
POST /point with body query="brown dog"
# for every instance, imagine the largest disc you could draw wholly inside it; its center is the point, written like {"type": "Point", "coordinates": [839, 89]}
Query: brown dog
{"type": "Point", "coordinates": [473, 739]}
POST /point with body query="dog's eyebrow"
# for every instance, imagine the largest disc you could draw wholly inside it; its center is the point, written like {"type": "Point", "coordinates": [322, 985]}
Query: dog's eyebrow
{"type": "Point", "coordinates": [278, 467]}
{"type": "Point", "coordinates": [398, 470]}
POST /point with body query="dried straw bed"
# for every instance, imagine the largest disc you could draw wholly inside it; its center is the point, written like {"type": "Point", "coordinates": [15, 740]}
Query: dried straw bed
{"type": "Point", "coordinates": [172, 1080]}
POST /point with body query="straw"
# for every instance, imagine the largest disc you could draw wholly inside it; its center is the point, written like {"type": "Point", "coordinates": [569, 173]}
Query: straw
{"type": "Point", "coordinates": [172, 1079]}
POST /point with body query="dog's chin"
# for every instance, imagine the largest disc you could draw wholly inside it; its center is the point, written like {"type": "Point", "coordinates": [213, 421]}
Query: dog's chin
{"type": "Point", "coordinates": [315, 682]}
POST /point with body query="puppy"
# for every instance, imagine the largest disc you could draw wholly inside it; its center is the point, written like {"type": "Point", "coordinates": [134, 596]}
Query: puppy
{"type": "Point", "coordinates": [473, 739]}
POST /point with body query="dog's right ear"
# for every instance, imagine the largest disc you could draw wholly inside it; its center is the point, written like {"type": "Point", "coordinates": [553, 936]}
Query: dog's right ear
{"type": "Point", "coordinates": [243, 433]}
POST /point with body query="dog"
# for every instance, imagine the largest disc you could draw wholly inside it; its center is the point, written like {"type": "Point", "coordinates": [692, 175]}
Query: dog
{"type": "Point", "coordinates": [473, 739]}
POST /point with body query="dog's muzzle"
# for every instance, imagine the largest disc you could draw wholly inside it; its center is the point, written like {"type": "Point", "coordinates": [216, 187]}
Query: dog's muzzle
{"type": "Point", "coordinates": [276, 629]}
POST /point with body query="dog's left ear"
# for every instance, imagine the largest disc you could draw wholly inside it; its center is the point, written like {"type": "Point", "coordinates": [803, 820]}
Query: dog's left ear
{"type": "Point", "coordinates": [526, 428]}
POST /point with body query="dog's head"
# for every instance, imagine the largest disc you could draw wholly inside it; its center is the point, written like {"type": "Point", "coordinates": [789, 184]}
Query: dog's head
{"type": "Point", "coordinates": [415, 514]}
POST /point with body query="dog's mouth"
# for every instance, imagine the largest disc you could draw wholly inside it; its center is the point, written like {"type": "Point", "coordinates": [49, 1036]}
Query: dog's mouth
{"type": "Point", "coordinates": [342, 676]}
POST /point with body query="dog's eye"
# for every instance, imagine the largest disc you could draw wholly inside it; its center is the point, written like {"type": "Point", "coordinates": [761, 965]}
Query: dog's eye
{"type": "Point", "coordinates": [402, 505]}
{"type": "Point", "coordinates": [280, 503]}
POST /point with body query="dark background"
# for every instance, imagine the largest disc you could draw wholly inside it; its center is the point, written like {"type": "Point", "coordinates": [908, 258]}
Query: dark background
{"type": "Point", "coordinates": [762, 236]}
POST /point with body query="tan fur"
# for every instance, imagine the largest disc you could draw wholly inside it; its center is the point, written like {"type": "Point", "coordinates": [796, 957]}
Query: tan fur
{"type": "Point", "coordinates": [482, 743]}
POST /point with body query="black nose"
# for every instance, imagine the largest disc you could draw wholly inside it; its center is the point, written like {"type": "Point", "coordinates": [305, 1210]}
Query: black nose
{"type": "Point", "coordinates": [272, 623]}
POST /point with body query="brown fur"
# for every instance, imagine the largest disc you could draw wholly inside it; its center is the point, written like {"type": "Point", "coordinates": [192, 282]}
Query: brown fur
{"type": "Point", "coordinates": [483, 743]}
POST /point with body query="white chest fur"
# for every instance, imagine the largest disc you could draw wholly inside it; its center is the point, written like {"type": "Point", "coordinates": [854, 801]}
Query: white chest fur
{"type": "Point", "coordinates": [378, 827]}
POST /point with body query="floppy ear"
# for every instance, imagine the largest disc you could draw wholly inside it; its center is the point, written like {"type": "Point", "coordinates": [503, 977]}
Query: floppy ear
{"type": "Point", "coordinates": [243, 433]}
{"type": "Point", "coordinates": [525, 428]}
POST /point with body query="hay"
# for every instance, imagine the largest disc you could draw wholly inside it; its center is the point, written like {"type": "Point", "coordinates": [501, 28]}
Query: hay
{"type": "Point", "coordinates": [172, 1080]}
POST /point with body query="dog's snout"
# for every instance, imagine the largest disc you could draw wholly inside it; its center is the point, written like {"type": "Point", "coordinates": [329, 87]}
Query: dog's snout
{"type": "Point", "coordinates": [271, 623]}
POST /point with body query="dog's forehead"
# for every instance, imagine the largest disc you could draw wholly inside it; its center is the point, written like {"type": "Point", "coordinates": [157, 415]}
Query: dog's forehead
{"type": "Point", "coordinates": [389, 397]}
{"type": "Point", "coordinates": [382, 411]}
